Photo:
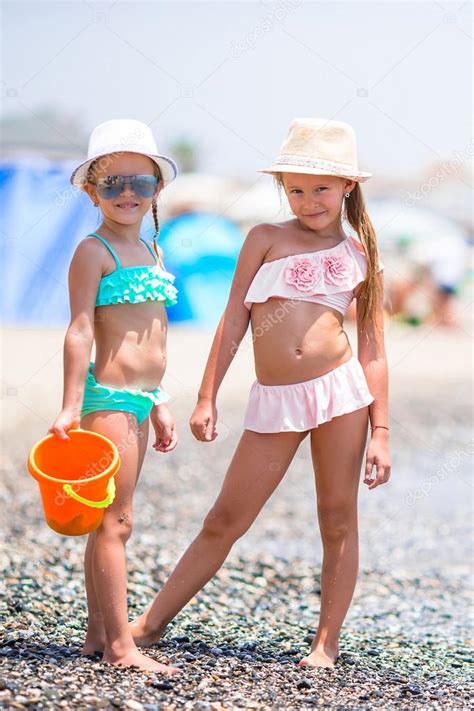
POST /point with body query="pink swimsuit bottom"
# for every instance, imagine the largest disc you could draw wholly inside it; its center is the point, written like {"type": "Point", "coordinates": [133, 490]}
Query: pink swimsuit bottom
{"type": "Point", "coordinates": [329, 277]}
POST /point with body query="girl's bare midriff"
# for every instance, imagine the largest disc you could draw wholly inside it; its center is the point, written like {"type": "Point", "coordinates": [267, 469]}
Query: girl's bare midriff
{"type": "Point", "coordinates": [295, 340]}
{"type": "Point", "coordinates": [130, 344]}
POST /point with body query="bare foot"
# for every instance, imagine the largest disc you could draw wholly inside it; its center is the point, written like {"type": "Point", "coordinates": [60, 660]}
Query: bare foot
{"type": "Point", "coordinates": [92, 645]}
{"type": "Point", "coordinates": [143, 636]}
{"type": "Point", "coordinates": [134, 658]}
{"type": "Point", "coordinates": [320, 658]}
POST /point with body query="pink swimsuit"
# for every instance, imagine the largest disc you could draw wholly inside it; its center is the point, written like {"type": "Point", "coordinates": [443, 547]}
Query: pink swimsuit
{"type": "Point", "coordinates": [329, 277]}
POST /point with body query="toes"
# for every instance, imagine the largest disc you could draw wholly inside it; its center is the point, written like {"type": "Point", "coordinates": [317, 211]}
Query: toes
{"type": "Point", "coordinates": [306, 662]}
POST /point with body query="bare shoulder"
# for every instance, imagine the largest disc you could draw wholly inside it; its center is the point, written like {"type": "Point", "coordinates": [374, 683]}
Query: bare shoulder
{"type": "Point", "coordinates": [252, 254]}
{"type": "Point", "coordinates": [261, 237]}
{"type": "Point", "coordinates": [90, 247]}
{"type": "Point", "coordinates": [90, 256]}
{"type": "Point", "coordinates": [273, 228]}
{"type": "Point", "coordinates": [261, 231]}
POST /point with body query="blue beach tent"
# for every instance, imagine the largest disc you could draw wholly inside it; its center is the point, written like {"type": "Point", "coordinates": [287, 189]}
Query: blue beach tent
{"type": "Point", "coordinates": [201, 249]}
{"type": "Point", "coordinates": [44, 218]}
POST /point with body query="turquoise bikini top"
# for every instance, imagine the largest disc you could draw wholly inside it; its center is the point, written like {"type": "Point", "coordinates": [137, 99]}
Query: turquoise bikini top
{"type": "Point", "coordinates": [135, 285]}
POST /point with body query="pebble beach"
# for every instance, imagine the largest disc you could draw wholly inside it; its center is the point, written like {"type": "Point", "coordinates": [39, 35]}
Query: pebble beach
{"type": "Point", "coordinates": [407, 641]}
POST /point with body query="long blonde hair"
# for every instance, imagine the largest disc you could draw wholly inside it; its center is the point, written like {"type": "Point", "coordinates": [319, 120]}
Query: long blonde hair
{"type": "Point", "coordinates": [358, 218]}
{"type": "Point", "coordinates": [356, 214]}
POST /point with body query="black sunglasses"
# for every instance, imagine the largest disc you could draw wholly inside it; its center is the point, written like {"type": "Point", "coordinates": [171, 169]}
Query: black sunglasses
{"type": "Point", "coordinates": [113, 185]}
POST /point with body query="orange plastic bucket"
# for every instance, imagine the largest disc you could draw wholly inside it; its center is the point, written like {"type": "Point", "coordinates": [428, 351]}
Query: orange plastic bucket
{"type": "Point", "coordinates": [76, 479]}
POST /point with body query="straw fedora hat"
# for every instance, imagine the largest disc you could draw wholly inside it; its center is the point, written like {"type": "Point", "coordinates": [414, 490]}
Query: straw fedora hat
{"type": "Point", "coordinates": [318, 146]}
{"type": "Point", "coordinates": [118, 136]}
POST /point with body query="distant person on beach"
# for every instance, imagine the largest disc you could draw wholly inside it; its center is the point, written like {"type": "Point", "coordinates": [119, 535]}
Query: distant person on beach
{"type": "Point", "coordinates": [294, 281]}
{"type": "Point", "coordinates": [118, 289]}
{"type": "Point", "coordinates": [427, 279]}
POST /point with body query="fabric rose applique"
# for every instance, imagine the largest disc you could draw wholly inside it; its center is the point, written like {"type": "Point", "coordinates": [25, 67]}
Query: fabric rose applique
{"type": "Point", "coordinates": [337, 270]}
{"type": "Point", "coordinates": [304, 274]}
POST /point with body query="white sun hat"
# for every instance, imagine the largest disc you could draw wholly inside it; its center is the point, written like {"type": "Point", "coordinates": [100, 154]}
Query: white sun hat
{"type": "Point", "coordinates": [123, 135]}
{"type": "Point", "coordinates": [318, 146]}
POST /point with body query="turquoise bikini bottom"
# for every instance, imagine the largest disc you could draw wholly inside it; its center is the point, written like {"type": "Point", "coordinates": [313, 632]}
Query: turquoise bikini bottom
{"type": "Point", "coordinates": [104, 397]}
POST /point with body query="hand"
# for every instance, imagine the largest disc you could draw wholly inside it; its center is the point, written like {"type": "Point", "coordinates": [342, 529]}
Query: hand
{"type": "Point", "coordinates": [65, 421]}
{"type": "Point", "coordinates": [377, 456]}
{"type": "Point", "coordinates": [162, 420]}
{"type": "Point", "coordinates": [203, 421]}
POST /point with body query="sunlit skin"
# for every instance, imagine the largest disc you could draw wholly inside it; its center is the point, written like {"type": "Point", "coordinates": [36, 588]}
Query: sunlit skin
{"type": "Point", "coordinates": [130, 338]}
{"type": "Point", "coordinates": [130, 344]}
{"type": "Point", "coordinates": [310, 339]}
{"type": "Point", "coordinates": [307, 342]}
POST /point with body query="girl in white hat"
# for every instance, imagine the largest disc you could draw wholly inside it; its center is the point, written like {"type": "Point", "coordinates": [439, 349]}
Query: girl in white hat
{"type": "Point", "coordinates": [118, 289]}
{"type": "Point", "coordinates": [294, 281]}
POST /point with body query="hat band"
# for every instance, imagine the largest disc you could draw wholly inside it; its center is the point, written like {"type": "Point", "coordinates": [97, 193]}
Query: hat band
{"type": "Point", "coordinates": [304, 162]}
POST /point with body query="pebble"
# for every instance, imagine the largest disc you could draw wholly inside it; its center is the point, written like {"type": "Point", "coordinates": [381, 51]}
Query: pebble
{"type": "Point", "coordinates": [162, 685]}
{"type": "Point", "coordinates": [404, 642]}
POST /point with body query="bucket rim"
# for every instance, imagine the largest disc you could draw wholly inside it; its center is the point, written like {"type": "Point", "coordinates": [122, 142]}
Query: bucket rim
{"type": "Point", "coordinates": [36, 473]}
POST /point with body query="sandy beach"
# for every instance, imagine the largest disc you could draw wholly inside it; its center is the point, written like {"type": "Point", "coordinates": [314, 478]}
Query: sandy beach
{"type": "Point", "coordinates": [406, 642]}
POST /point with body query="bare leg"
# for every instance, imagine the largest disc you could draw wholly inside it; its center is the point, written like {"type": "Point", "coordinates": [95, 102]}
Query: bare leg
{"type": "Point", "coordinates": [106, 555]}
{"type": "Point", "coordinates": [95, 635]}
{"type": "Point", "coordinates": [337, 449]}
{"type": "Point", "coordinates": [257, 467]}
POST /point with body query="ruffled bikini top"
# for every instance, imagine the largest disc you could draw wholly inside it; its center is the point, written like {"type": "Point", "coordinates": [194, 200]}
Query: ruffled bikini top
{"type": "Point", "coordinates": [135, 285]}
{"type": "Point", "coordinates": [327, 276]}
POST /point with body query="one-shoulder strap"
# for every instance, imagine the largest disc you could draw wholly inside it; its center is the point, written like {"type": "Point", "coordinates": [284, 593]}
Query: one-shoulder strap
{"type": "Point", "coordinates": [150, 249]}
{"type": "Point", "coordinates": [106, 244]}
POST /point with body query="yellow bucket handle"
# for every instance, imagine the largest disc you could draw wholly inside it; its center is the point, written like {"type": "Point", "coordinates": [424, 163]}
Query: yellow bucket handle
{"type": "Point", "coordinates": [95, 504]}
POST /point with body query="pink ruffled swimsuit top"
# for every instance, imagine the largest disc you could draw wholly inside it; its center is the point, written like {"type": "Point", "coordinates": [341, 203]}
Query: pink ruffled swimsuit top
{"type": "Point", "coordinates": [327, 276]}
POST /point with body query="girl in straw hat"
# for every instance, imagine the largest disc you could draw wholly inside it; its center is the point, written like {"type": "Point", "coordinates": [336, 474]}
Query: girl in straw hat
{"type": "Point", "coordinates": [118, 289]}
{"type": "Point", "coordinates": [294, 281]}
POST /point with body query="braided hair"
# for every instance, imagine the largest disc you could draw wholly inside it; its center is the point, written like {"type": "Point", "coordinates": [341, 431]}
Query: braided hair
{"type": "Point", "coordinates": [154, 211]}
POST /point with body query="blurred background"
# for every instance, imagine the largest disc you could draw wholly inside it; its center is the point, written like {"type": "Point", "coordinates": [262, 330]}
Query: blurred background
{"type": "Point", "coordinates": [219, 83]}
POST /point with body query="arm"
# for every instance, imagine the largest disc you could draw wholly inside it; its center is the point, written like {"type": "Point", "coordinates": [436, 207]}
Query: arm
{"type": "Point", "coordinates": [372, 356]}
{"type": "Point", "coordinates": [85, 272]}
{"type": "Point", "coordinates": [230, 331]}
